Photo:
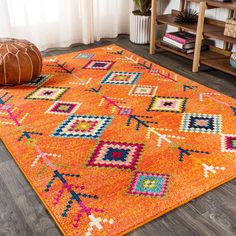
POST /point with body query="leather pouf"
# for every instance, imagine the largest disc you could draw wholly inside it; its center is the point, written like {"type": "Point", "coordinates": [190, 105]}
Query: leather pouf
{"type": "Point", "coordinates": [20, 61]}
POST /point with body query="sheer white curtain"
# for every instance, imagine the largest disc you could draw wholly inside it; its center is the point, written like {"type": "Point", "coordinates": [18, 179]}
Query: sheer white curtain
{"type": "Point", "coordinates": [54, 23]}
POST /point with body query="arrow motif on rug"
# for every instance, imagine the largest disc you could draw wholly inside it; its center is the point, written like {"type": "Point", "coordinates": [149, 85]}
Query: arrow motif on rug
{"type": "Point", "coordinates": [117, 53]}
{"type": "Point", "coordinates": [5, 98]}
{"type": "Point", "coordinates": [115, 103]}
{"type": "Point", "coordinates": [165, 76]}
{"type": "Point", "coordinates": [209, 95]}
{"type": "Point", "coordinates": [36, 160]}
{"type": "Point", "coordinates": [187, 152]}
{"type": "Point", "coordinates": [64, 68]}
{"type": "Point", "coordinates": [162, 137]}
{"type": "Point", "coordinates": [145, 65]}
{"type": "Point", "coordinates": [94, 90]}
{"type": "Point", "coordinates": [189, 87]}
{"type": "Point", "coordinates": [76, 197]}
{"type": "Point", "coordinates": [27, 135]}
{"type": "Point", "coordinates": [11, 115]}
{"type": "Point", "coordinates": [141, 121]}
{"type": "Point", "coordinates": [211, 169]}
{"type": "Point", "coordinates": [70, 189]}
{"type": "Point", "coordinates": [131, 59]}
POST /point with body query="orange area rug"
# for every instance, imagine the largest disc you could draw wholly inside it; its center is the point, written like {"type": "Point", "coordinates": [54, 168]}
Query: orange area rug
{"type": "Point", "coordinates": [109, 141]}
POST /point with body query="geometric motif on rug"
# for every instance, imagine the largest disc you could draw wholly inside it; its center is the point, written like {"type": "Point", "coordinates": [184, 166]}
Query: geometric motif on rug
{"type": "Point", "coordinates": [143, 90]}
{"type": "Point", "coordinates": [168, 104]}
{"type": "Point", "coordinates": [47, 93]}
{"type": "Point", "coordinates": [201, 123]}
{"type": "Point", "coordinates": [116, 155]}
{"type": "Point", "coordinates": [82, 126]}
{"type": "Point", "coordinates": [125, 111]}
{"type": "Point", "coordinates": [121, 78]}
{"type": "Point", "coordinates": [148, 184]}
{"type": "Point", "coordinates": [84, 56]}
{"type": "Point", "coordinates": [228, 143]}
{"type": "Point", "coordinates": [41, 79]}
{"type": "Point", "coordinates": [63, 108]}
{"type": "Point", "coordinates": [99, 65]}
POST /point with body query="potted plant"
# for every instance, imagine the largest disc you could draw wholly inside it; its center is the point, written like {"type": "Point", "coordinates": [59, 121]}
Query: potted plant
{"type": "Point", "coordinates": [140, 21]}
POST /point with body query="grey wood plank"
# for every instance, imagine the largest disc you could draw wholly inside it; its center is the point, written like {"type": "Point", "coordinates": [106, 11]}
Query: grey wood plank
{"type": "Point", "coordinates": [12, 221]}
{"type": "Point", "coordinates": [33, 214]}
{"type": "Point", "coordinates": [4, 154]}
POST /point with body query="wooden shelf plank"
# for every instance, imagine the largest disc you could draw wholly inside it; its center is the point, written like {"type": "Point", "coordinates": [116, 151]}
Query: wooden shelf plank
{"type": "Point", "coordinates": [220, 35]}
{"type": "Point", "coordinates": [210, 3]}
{"type": "Point", "coordinates": [210, 30]}
{"type": "Point", "coordinates": [169, 19]}
{"type": "Point", "coordinates": [209, 58]}
{"type": "Point", "coordinates": [220, 64]}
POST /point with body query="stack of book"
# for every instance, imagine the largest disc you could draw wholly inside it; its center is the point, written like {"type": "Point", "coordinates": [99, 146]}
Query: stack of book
{"type": "Point", "coordinates": [181, 41]}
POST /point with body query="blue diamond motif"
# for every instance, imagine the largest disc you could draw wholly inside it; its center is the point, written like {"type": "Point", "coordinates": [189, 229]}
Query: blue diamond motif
{"type": "Point", "coordinates": [116, 154]}
{"type": "Point", "coordinates": [149, 184]}
{"type": "Point", "coordinates": [82, 126]}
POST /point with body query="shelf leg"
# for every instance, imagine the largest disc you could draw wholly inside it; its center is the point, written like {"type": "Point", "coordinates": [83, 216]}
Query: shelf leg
{"type": "Point", "coordinates": [153, 27]}
{"type": "Point", "coordinates": [229, 46]}
{"type": "Point", "coordinates": [199, 36]}
{"type": "Point", "coordinates": [182, 5]}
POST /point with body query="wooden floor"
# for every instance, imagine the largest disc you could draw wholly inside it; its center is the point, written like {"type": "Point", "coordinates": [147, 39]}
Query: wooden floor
{"type": "Point", "coordinates": [22, 213]}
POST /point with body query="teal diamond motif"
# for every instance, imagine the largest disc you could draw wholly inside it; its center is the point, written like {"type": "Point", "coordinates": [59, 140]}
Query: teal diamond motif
{"type": "Point", "coordinates": [148, 184]}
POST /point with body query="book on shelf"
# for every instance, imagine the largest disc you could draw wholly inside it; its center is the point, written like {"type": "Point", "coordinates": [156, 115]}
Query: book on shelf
{"type": "Point", "coordinates": [182, 37]}
{"type": "Point", "coordinates": [179, 45]}
{"type": "Point", "coordinates": [186, 51]}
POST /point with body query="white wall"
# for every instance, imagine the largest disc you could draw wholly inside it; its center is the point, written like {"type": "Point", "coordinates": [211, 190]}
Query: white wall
{"type": "Point", "coordinates": [220, 14]}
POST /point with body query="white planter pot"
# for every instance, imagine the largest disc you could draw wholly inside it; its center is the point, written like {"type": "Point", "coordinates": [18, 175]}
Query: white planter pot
{"type": "Point", "coordinates": [140, 29]}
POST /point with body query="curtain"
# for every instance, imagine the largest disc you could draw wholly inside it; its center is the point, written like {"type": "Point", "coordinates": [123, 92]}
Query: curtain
{"type": "Point", "coordinates": [60, 23]}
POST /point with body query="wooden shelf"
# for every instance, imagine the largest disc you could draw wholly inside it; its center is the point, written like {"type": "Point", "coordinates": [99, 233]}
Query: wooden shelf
{"type": "Point", "coordinates": [210, 58]}
{"type": "Point", "coordinates": [205, 28]}
{"type": "Point", "coordinates": [212, 28]}
{"type": "Point", "coordinates": [220, 64]}
{"type": "Point", "coordinates": [220, 35]}
{"type": "Point", "coordinates": [169, 19]}
{"type": "Point", "coordinates": [215, 4]}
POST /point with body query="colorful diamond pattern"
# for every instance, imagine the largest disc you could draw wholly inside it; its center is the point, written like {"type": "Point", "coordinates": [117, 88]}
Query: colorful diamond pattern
{"type": "Point", "coordinates": [143, 90]}
{"type": "Point", "coordinates": [99, 65]}
{"type": "Point", "coordinates": [116, 155]}
{"type": "Point", "coordinates": [121, 78]}
{"type": "Point", "coordinates": [47, 93]}
{"type": "Point", "coordinates": [168, 104]}
{"type": "Point", "coordinates": [63, 108]}
{"type": "Point", "coordinates": [125, 111]}
{"type": "Point", "coordinates": [84, 56]}
{"type": "Point", "coordinates": [228, 143]}
{"type": "Point", "coordinates": [148, 184]}
{"type": "Point", "coordinates": [201, 123]}
{"type": "Point", "coordinates": [82, 126]}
